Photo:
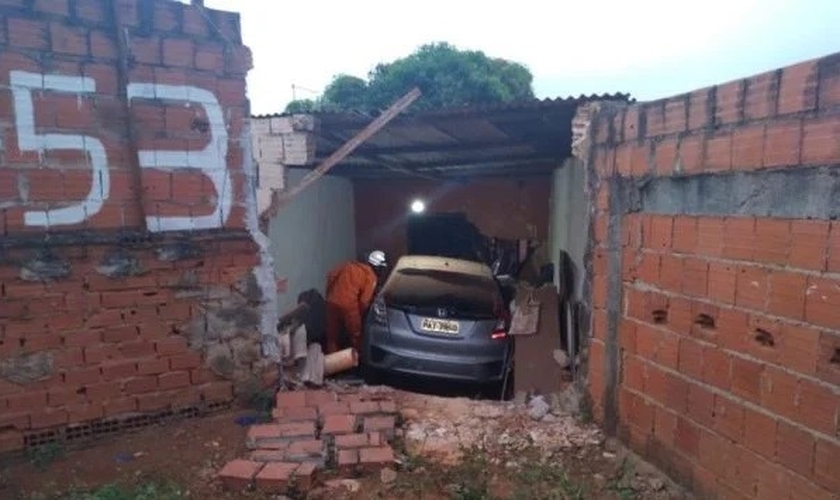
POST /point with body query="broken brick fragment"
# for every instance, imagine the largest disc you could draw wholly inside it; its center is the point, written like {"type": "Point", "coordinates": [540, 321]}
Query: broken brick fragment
{"type": "Point", "coordinates": [384, 425]}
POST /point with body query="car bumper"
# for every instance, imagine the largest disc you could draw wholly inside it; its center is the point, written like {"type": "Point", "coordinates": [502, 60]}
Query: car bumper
{"type": "Point", "coordinates": [461, 368]}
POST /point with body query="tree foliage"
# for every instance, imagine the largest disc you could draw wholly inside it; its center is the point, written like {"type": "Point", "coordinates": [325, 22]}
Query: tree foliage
{"type": "Point", "coordinates": [447, 76]}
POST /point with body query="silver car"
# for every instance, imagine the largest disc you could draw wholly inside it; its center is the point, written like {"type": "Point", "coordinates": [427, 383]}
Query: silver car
{"type": "Point", "coordinates": [441, 318]}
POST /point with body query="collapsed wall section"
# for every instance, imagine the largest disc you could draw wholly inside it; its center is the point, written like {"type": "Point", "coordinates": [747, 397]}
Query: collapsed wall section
{"type": "Point", "coordinates": [129, 255]}
{"type": "Point", "coordinates": [715, 273]}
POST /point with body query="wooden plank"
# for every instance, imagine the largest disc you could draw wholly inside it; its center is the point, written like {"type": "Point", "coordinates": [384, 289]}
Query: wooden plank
{"type": "Point", "coordinates": [344, 151]}
{"type": "Point", "coordinates": [535, 369]}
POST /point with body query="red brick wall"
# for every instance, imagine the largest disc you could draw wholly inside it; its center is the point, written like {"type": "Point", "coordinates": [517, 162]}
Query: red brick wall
{"type": "Point", "coordinates": [504, 208]}
{"type": "Point", "coordinates": [727, 331]}
{"type": "Point", "coordinates": [125, 263]}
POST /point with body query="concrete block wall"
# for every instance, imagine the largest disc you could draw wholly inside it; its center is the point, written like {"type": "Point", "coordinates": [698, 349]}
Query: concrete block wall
{"type": "Point", "coordinates": [715, 268]}
{"type": "Point", "coordinates": [130, 268]}
{"type": "Point", "coordinates": [278, 142]}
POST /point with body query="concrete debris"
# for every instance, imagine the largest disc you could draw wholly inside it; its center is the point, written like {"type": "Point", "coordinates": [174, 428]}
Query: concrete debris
{"type": "Point", "coordinates": [561, 358]}
{"type": "Point", "coordinates": [387, 476]}
{"type": "Point", "coordinates": [351, 485]}
{"type": "Point", "coordinates": [538, 408]}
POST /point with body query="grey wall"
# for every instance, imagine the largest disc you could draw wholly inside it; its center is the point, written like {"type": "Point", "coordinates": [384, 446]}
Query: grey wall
{"type": "Point", "coordinates": [568, 220]}
{"type": "Point", "coordinates": [312, 234]}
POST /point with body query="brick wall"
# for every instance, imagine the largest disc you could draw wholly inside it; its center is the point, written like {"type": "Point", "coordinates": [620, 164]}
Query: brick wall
{"type": "Point", "coordinates": [128, 255]}
{"type": "Point", "coordinates": [715, 275]}
{"type": "Point", "coordinates": [504, 208]}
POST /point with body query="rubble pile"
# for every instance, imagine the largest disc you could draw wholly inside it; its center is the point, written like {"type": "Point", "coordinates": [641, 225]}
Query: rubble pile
{"type": "Point", "coordinates": [313, 431]}
{"type": "Point", "coordinates": [444, 427]}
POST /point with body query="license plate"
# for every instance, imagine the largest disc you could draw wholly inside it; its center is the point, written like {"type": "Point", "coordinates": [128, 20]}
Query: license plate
{"type": "Point", "coordinates": [440, 326]}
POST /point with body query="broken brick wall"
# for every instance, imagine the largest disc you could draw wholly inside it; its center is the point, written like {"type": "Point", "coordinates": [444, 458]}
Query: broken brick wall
{"type": "Point", "coordinates": [715, 273]}
{"type": "Point", "coordinates": [508, 208]}
{"type": "Point", "coordinates": [130, 277]}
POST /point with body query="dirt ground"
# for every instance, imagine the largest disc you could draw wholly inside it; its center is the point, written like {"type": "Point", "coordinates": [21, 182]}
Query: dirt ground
{"type": "Point", "coordinates": [450, 448]}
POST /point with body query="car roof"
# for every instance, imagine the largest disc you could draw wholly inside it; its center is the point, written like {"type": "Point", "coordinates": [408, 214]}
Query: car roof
{"type": "Point", "coordinates": [431, 263]}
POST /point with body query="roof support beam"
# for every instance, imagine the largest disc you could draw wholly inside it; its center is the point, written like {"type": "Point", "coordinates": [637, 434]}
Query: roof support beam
{"type": "Point", "coordinates": [279, 199]}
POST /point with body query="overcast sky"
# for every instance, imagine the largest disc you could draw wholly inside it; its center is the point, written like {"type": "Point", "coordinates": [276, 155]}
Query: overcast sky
{"type": "Point", "coordinates": [650, 48]}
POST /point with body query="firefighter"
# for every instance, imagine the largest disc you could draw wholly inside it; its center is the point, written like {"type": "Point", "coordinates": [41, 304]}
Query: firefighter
{"type": "Point", "coordinates": [350, 291]}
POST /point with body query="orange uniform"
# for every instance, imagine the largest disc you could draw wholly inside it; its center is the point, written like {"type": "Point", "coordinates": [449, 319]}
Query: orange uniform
{"type": "Point", "coordinates": [350, 289]}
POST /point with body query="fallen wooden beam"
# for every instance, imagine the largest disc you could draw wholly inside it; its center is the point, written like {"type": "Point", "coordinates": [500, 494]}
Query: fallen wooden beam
{"type": "Point", "coordinates": [280, 198]}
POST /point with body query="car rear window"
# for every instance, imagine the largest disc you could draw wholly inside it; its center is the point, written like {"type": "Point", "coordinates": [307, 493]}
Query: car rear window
{"type": "Point", "coordinates": [422, 289]}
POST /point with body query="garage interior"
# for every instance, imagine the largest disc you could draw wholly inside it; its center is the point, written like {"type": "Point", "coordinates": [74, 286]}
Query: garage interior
{"type": "Point", "coordinates": [495, 183]}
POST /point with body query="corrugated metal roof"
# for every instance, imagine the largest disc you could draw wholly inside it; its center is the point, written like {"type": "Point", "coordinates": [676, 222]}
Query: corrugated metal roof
{"type": "Point", "coordinates": [516, 138]}
{"type": "Point", "coordinates": [535, 103]}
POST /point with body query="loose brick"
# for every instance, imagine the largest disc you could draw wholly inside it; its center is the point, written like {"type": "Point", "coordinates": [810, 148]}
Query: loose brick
{"type": "Point", "coordinates": [269, 455]}
{"type": "Point", "coordinates": [383, 425]}
{"type": "Point", "coordinates": [375, 457]}
{"type": "Point", "coordinates": [334, 408]}
{"type": "Point", "coordinates": [285, 430]}
{"type": "Point", "coordinates": [364, 408]}
{"type": "Point", "coordinates": [317, 398]}
{"type": "Point", "coordinates": [238, 474]}
{"type": "Point", "coordinates": [295, 413]}
{"type": "Point", "coordinates": [347, 460]}
{"type": "Point", "coordinates": [306, 449]}
{"type": "Point", "coordinates": [304, 476]}
{"type": "Point", "coordinates": [359, 440]}
{"type": "Point", "coordinates": [339, 424]}
{"type": "Point", "coordinates": [291, 399]}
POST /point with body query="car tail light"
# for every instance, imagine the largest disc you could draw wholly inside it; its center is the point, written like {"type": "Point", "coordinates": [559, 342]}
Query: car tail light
{"type": "Point", "coordinates": [380, 311]}
{"type": "Point", "coordinates": [500, 330]}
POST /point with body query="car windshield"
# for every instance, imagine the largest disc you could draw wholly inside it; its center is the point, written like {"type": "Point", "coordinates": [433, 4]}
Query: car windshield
{"type": "Point", "coordinates": [422, 289]}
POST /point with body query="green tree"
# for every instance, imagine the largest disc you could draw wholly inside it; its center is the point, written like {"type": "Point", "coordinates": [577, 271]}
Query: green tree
{"type": "Point", "coordinates": [447, 76]}
{"type": "Point", "coordinates": [301, 106]}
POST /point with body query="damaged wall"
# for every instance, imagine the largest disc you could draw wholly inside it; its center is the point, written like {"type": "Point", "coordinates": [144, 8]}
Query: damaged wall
{"type": "Point", "coordinates": [569, 221]}
{"type": "Point", "coordinates": [312, 234]}
{"type": "Point", "coordinates": [129, 260]}
{"type": "Point", "coordinates": [715, 349]}
{"type": "Point", "coordinates": [502, 207]}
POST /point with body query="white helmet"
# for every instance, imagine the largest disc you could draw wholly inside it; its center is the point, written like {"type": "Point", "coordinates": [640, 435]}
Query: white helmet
{"type": "Point", "coordinates": [377, 258]}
